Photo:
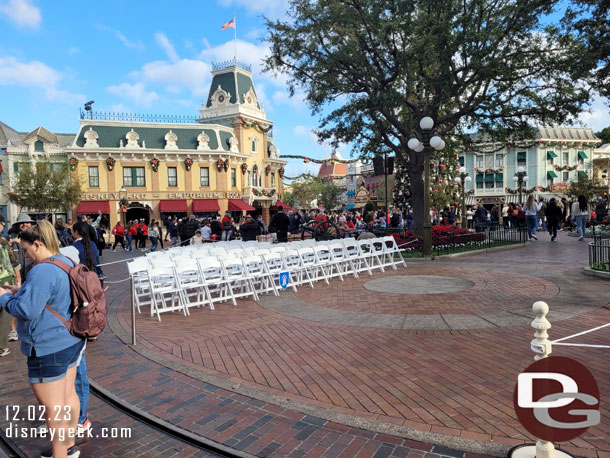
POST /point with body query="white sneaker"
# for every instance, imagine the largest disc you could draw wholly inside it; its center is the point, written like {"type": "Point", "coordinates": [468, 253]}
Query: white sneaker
{"type": "Point", "coordinates": [81, 428]}
{"type": "Point", "coordinates": [580, 238]}
{"type": "Point", "coordinates": [12, 336]}
{"type": "Point", "coordinates": [4, 352]}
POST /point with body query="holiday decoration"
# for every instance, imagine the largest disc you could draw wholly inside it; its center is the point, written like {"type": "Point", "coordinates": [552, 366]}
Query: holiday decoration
{"type": "Point", "coordinates": [188, 163]}
{"type": "Point", "coordinates": [401, 194]}
{"type": "Point", "coordinates": [73, 163]}
{"type": "Point", "coordinates": [267, 170]}
{"type": "Point", "coordinates": [256, 125]}
{"type": "Point", "coordinates": [110, 163]}
{"type": "Point", "coordinates": [263, 193]}
{"type": "Point", "coordinates": [222, 165]}
{"type": "Point", "coordinates": [280, 172]}
{"type": "Point", "coordinates": [319, 161]}
{"type": "Point", "coordinates": [255, 169]}
{"type": "Point", "coordinates": [488, 170]}
{"type": "Point", "coordinates": [565, 167]}
{"type": "Point", "coordinates": [244, 168]}
{"type": "Point", "coordinates": [154, 163]}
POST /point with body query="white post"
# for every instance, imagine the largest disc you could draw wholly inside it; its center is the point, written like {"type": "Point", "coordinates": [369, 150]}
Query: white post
{"type": "Point", "coordinates": [544, 449]}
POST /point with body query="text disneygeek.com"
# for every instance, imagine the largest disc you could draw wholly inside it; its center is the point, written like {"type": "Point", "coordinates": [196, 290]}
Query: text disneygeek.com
{"type": "Point", "coordinates": [22, 432]}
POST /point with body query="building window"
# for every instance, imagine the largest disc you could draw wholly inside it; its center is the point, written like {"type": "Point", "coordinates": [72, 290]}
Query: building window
{"type": "Point", "coordinates": [273, 180]}
{"type": "Point", "coordinates": [521, 159]}
{"type": "Point", "coordinates": [0, 178]}
{"type": "Point", "coordinates": [16, 167]}
{"type": "Point", "coordinates": [233, 178]}
{"type": "Point", "coordinates": [549, 160]}
{"type": "Point", "coordinates": [479, 162]}
{"type": "Point", "coordinates": [489, 185]}
{"type": "Point", "coordinates": [254, 141]}
{"type": "Point", "coordinates": [549, 181]}
{"type": "Point", "coordinates": [566, 176]}
{"type": "Point", "coordinates": [581, 160]}
{"type": "Point", "coordinates": [499, 161]}
{"type": "Point", "coordinates": [479, 185]}
{"type": "Point", "coordinates": [134, 176]}
{"type": "Point", "coordinates": [204, 175]}
{"type": "Point", "coordinates": [489, 161]}
{"type": "Point", "coordinates": [94, 177]}
{"type": "Point", "coordinates": [39, 146]}
{"type": "Point", "coordinates": [566, 158]}
{"type": "Point", "coordinates": [172, 177]}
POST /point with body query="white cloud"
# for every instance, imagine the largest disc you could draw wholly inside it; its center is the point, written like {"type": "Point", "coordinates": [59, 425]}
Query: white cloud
{"type": "Point", "coordinates": [297, 101]}
{"type": "Point", "coordinates": [35, 74]}
{"type": "Point", "coordinates": [255, 34]}
{"type": "Point", "coordinates": [136, 92]}
{"type": "Point", "coordinates": [22, 13]}
{"type": "Point", "coordinates": [186, 73]}
{"type": "Point", "coordinates": [167, 46]}
{"type": "Point", "coordinates": [598, 115]}
{"type": "Point", "coordinates": [73, 50]}
{"type": "Point", "coordinates": [137, 45]}
{"type": "Point", "coordinates": [206, 43]}
{"type": "Point", "coordinates": [120, 108]}
{"type": "Point", "coordinates": [300, 130]}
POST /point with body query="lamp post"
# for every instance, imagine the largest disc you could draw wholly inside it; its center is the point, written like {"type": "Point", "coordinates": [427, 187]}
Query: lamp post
{"type": "Point", "coordinates": [520, 178]}
{"type": "Point", "coordinates": [462, 179]}
{"type": "Point", "coordinates": [427, 142]}
{"type": "Point", "coordinates": [123, 205]}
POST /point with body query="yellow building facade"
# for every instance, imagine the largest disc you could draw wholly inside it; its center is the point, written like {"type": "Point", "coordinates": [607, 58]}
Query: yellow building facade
{"type": "Point", "coordinates": [225, 160]}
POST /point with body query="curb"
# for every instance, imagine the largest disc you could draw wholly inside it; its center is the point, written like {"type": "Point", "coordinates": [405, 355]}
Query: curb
{"type": "Point", "coordinates": [468, 253]}
{"type": "Point", "coordinates": [596, 273]}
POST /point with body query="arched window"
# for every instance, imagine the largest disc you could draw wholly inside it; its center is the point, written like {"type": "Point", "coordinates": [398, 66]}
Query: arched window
{"type": "Point", "coordinates": [249, 178]}
{"type": "Point", "coordinates": [254, 143]}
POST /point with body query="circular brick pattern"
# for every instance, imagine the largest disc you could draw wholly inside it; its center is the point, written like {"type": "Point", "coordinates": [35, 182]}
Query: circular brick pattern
{"type": "Point", "coordinates": [418, 284]}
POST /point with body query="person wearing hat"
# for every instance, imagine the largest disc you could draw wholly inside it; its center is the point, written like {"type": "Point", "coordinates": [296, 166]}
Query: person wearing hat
{"type": "Point", "coordinates": [8, 274]}
{"type": "Point", "coordinates": [22, 223]}
{"type": "Point", "coordinates": [250, 229]}
{"type": "Point", "coordinates": [227, 226]}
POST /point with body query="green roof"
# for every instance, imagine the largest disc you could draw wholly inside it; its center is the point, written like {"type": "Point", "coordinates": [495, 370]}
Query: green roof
{"type": "Point", "coordinates": [582, 174]}
{"type": "Point", "coordinates": [582, 155]}
{"type": "Point", "coordinates": [551, 155]}
{"type": "Point", "coordinates": [227, 82]}
{"type": "Point", "coordinates": [551, 174]}
{"type": "Point", "coordinates": [154, 137]}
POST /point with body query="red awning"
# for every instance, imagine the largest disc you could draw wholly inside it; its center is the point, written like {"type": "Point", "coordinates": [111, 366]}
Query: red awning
{"type": "Point", "coordinates": [239, 205]}
{"type": "Point", "coordinates": [173, 206]}
{"type": "Point", "coordinates": [284, 206]}
{"type": "Point", "coordinates": [87, 207]}
{"type": "Point", "coordinates": [205, 205]}
{"type": "Point", "coordinates": [1, 169]}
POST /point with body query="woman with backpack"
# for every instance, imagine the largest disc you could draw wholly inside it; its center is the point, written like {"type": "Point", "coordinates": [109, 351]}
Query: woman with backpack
{"type": "Point", "coordinates": [53, 354]}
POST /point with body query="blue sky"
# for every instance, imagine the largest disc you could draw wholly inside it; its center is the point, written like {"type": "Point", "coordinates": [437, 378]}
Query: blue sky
{"type": "Point", "coordinates": [139, 57]}
{"type": "Point", "coordinates": [147, 57]}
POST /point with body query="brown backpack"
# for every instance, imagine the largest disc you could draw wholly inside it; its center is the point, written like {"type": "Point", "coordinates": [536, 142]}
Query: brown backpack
{"type": "Point", "coordinates": [88, 301]}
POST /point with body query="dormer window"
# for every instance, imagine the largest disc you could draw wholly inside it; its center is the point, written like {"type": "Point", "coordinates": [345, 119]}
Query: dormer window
{"type": "Point", "coordinates": [39, 146]}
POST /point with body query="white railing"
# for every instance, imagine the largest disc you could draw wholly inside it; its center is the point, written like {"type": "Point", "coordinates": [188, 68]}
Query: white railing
{"type": "Point", "coordinates": [489, 191]}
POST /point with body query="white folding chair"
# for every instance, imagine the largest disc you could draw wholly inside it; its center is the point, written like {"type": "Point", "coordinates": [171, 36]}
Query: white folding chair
{"type": "Point", "coordinates": [294, 265]}
{"type": "Point", "coordinates": [370, 254]}
{"type": "Point", "coordinates": [215, 283]}
{"type": "Point", "coordinates": [378, 250]}
{"type": "Point", "coordinates": [326, 262]}
{"type": "Point", "coordinates": [274, 265]}
{"type": "Point", "coordinates": [355, 255]}
{"type": "Point", "coordinates": [165, 291]}
{"type": "Point", "coordinates": [310, 264]}
{"type": "Point", "coordinates": [238, 278]}
{"type": "Point", "coordinates": [340, 257]}
{"type": "Point", "coordinates": [262, 280]}
{"type": "Point", "coordinates": [192, 286]}
{"type": "Point", "coordinates": [140, 285]}
{"type": "Point", "coordinates": [390, 247]}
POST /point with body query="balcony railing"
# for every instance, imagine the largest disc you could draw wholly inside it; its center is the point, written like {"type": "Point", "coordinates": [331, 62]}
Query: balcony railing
{"type": "Point", "coordinates": [489, 191]}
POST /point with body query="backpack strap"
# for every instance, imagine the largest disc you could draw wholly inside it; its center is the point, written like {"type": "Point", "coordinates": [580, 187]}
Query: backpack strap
{"type": "Point", "coordinates": [66, 268]}
{"type": "Point", "coordinates": [54, 312]}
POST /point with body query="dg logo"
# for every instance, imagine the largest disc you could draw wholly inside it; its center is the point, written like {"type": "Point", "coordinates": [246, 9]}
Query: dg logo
{"type": "Point", "coordinates": [556, 399]}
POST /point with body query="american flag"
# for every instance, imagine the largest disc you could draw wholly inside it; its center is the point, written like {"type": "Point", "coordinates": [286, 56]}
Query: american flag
{"type": "Point", "coordinates": [231, 23]}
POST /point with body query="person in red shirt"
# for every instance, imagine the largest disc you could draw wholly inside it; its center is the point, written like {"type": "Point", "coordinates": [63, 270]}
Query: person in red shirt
{"type": "Point", "coordinates": [144, 235]}
{"type": "Point", "coordinates": [119, 236]}
{"type": "Point", "coordinates": [130, 231]}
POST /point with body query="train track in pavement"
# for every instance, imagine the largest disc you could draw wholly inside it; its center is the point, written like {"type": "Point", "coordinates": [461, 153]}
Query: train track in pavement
{"type": "Point", "coordinates": [166, 434]}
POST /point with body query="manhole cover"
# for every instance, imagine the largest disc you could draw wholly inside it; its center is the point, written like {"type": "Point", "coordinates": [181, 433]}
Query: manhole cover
{"type": "Point", "coordinates": [418, 284]}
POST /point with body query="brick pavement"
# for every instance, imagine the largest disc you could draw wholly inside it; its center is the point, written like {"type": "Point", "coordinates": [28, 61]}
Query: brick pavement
{"type": "Point", "coordinates": [283, 386]}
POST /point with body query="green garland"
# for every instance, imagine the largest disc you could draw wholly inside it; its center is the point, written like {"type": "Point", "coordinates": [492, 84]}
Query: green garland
{"type": "Point", "coordinates": [530, 190]}
{"type": "Point", "coordinates": [264, 192]}
{"type": "Point", "coordinates": [256, 125]}
{"type": "Point", "coordinates": [318, 161]}
{"type": "Point", "coordinates": [307, 176]}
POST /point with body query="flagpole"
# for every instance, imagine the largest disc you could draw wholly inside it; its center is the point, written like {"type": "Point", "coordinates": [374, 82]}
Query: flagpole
{"type": "Point", "coordinates": [235, 30]}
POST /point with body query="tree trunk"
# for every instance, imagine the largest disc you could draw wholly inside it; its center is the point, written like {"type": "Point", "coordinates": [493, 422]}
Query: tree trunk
{"type": "Point", "coordinates": [417, 201]}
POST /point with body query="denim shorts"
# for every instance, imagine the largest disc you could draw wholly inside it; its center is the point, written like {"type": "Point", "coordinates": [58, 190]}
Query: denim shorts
{"type": "Point", "coordinates": [53, 367]}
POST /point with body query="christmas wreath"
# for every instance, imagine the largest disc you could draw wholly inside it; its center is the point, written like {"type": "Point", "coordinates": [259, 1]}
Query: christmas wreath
{"type": "Point", "coordinates": [267, 170]}
{"type": "Point", "coordinates": [110, 163]}
{"type": "Point", "coordinates": [154, 163]}
{"type": "Point", "coordinates": [73, 163]}
{"type": "Point", "coordinates": [565, 167]}
{"type": "Point", "coordinates": [244, 168]}
{"type": "Point", "coordinates": [220, 165]}
{"type": "Point", "coordinates": [280, 172]}
{"type": "Point", "coordinates": [188, 163]}
{"type": "Point", "coordinates": [255, 169]}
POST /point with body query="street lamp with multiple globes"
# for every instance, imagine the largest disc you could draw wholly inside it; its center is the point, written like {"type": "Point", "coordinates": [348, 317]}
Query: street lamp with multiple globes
{"type": "Point", "coordinates": [427, 142]}
{"type": "Point", "coordinates": [520, 179]}
{"type": "Point", "coordinates": [462, 179]}
{"type": "Point", "coordinates": [123, 205]}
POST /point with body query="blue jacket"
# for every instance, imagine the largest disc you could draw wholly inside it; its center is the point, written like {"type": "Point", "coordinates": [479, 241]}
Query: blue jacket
{"type": "Point", "coordinates": [82, 257]}
{"type": "Point", "coordinates": [37, 327]}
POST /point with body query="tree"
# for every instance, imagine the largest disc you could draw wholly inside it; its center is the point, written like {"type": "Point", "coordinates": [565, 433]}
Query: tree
{"type": "Point", "coordinates": [44, 187]}
{"type": "Point", "coordinates": [305, 191]}
{"type": "Point", "coordinates": [379, 66]}
{"type": "Point", "coordinates": [604, 135]}
{"type": "Point", "coordinates": [330, 195]}
{"type": "Point", "coordinates": [591, 20]}
{"type": "Point", "coordinates": [289, 198]}
{"type": "Point", "coordinates": [584, 186]}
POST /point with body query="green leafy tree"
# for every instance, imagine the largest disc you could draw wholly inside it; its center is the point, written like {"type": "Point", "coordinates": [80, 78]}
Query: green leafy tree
{"type": "Point", "coordinates": [44, 187]}
{"type": "Point", "coordinates": [330, 195]}
{"type": "Point", "coordinates": [584, 186]}
{"type": "Point", "coordinates": [379, 66]}
{"type": "Point", "coordinates": [604, 135]}
{"type": "Point", "coordinates": [289, 198]}
{"type": "Point", "coordinates": [305, 191]}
